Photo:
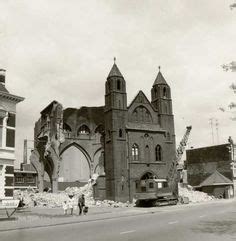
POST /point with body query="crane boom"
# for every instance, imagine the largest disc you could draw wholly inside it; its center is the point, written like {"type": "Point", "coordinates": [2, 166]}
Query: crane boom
{"type": "Point", "coordinates": [172, 173]}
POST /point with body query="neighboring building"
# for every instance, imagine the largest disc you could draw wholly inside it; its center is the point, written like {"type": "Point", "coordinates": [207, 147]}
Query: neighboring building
{"type": "Point", "coordinates": [209, 169]}
{"type": "Point", "coordinates": [124, 144]}
{"type": "Point", "coordinates": [25, 177]}
{"type": "Point", "coordinates": [7, 138]}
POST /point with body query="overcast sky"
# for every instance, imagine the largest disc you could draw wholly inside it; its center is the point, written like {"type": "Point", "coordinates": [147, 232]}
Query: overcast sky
{"type": "Point", "coordinates": [63, 50]}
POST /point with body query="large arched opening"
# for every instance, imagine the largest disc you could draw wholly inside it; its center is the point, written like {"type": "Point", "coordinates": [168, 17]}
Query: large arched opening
{"type": "Point", "coordinates": [74, 165]}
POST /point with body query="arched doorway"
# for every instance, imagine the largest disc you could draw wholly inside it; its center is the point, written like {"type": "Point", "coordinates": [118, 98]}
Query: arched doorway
{"type": "Point", "coordinates": [74, 166]}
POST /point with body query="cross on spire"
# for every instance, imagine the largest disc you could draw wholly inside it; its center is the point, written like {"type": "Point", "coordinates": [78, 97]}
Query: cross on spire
{"type": "Point", "coordinates": [114, 60]}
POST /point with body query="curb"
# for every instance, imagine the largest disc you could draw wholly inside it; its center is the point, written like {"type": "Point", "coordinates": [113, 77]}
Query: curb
{"type": "Point", "coordinates": [74, 222]}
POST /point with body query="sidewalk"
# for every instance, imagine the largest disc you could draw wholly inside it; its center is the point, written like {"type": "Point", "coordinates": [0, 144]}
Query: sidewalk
{"type": "Point", "coordinates": [44, 217]}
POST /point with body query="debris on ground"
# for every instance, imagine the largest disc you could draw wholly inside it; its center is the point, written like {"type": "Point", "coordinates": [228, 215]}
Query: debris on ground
{"type": "Point", "coordinates": [192, 195]}
{"type": "Point", "coordinates": [52, 200]}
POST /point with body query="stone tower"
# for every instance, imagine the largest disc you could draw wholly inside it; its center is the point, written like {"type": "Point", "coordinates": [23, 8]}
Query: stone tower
{"type": "Point", "coordinates": [162, 102]}
{"type": "Point", "coordinates": [115, 136]}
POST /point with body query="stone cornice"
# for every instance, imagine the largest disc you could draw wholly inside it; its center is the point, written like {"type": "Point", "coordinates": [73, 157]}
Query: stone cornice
{"type": "Point", "coordinates": [11, 97]}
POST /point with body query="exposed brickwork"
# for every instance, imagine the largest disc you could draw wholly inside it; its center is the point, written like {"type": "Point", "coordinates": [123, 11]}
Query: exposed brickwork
{"type": "Point", "coordinates": [202, 162]}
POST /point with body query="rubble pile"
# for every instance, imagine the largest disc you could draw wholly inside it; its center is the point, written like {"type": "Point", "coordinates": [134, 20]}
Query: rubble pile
{"type": "Point", "coordinates": [52, 200]}
{"type": "Point", "coordinates": [194, 196]}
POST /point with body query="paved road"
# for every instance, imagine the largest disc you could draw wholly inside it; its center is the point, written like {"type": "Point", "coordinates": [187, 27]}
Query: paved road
{"type": "Point", "coordinates": [212, 221]}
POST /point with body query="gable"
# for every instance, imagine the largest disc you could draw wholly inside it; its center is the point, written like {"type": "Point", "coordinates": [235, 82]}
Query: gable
{"type": "Point", "coordinates": [140, 98]}
{"type": "Point", "coordinates": [141, 110]}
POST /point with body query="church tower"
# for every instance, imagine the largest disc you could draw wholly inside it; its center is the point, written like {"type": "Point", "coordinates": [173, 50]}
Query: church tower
{"type": "Point", "coordinates": [115, 136]}
{"type": "Point", "coordinates": [162, 102]}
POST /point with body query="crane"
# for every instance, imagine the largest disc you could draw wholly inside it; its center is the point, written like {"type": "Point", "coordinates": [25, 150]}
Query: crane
{"type": "Point", "coordinates": [172, 173]}
{"type": "Point", "coordinates": [168, 193]}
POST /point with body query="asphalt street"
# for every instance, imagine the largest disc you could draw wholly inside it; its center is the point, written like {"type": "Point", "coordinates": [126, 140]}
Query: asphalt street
{"type": "Point", "coordinates": [211, 221]}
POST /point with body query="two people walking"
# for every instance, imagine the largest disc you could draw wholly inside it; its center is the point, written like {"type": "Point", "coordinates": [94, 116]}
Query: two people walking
{"type": "Point", "coordinates": [72, 205]}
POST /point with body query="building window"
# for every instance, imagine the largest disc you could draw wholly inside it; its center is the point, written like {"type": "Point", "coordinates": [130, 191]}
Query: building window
{"type": "Point", "coordinates": [11, 120]}
{"type": "Point", "coordinates": [158, 152]}
{"type": "Point", "coordinates": [147, 154]}
{"type": "Point", "coordinates": [1, 129]}
{"type": "Point", "coordinates": [109, 134]}
{"type": "Point", "coordinates": [151, 185]}
{"type": "Point", "coordinates": [135, 152]}
{"type": "Point", "coordinates": [30, 179]}
{"type": "Point", "coordinates": [19, 180]}
{"type": "Point", "coordinates": [118, 84]}
{"type": "Point", "coordinates": [164, 92]}
{"type": "Point", "coordinates": [67, 130]}
{"type": "Point", "coordinates": [120, 133]}
{"type": "Point", "coordinates": [99, 129]}
{"type": "Point", "coordinates": [10, 140]}
{"type": "Point", "coordinates": [10, 131]}
{"type": "Point", "coordinates": [166, 107]}
{"type": "Point", "coordinates": [155, 91]}
{"type": "Point", "coordinates": [84, 130]}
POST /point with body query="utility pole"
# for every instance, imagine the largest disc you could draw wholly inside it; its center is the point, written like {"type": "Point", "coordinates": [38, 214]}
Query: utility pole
{"type": "Point", "coordinates": [25, 154]}
{"type": "Point", "coordinates": [212, 133]}
{"type": "Point", "coordinates": [217, 130]}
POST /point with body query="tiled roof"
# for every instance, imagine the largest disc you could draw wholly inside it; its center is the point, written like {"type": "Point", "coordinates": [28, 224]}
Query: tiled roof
{"type": "Point", "coordinates": [160, 79]}
{"type": "Point", "coordinates": [115, 72]}
{"type": "Point", "coordinates": [215, 179]}
{"type": "Point", "coordinates": [3, 88]}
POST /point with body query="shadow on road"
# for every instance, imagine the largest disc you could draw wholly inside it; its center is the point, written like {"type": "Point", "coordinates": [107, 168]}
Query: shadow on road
{"type": "Point", "coordinates": [217, 227]}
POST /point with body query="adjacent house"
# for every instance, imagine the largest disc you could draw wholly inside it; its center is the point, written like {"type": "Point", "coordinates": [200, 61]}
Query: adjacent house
{"type": "Point", "coordinates": [7, 138]}
{"type": "Point", "coordinates": [209, 169]}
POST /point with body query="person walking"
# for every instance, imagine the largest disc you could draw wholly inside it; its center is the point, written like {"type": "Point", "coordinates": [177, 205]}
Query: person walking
{"type": "Point", "coordinates": [81, 203]}
{"type": "Point", "coordinates": [71, 204]}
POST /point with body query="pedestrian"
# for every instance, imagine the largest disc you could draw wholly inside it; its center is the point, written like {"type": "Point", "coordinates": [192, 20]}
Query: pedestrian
{"type": "Point", "coordinates": [81, 203]}
{"type": "Point", "coordinates": [65, 207]}
{"type": "Point", "coordinates": [71, 203]}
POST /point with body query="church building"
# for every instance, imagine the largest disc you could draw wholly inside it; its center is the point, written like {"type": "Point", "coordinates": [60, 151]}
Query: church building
{"type": "Point", "coordinates": [124, 144]}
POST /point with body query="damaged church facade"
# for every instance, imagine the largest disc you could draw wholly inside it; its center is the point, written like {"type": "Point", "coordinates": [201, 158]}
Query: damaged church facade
{"type": "Point", "coordinates": [124, 144]}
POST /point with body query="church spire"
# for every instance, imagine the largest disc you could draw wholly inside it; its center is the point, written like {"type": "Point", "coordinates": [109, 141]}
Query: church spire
{"type": "Point", "coordinates": [115, 72]}
{"type": "Point", "coordinates": [160, 79]}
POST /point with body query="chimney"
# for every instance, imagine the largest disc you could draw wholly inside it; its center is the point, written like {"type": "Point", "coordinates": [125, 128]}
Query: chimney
{"type": "Point", "coordinates": [2, 76]}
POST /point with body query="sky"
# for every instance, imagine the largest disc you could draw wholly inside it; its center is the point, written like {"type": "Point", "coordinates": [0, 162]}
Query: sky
{"type": "Point", "coordinates": [63, 50]}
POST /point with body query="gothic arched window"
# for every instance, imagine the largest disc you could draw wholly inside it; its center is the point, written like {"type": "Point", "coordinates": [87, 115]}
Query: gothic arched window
{"type": "Point", "coordinates": [83, 130]}
{"type": "Point", "coordinates": [135, 152]}
{"type": "Point", "coordinates": [147, 154]}
{"type": "Point", "coordinates": [148, 175]}
{"type": "Point", "coordinates": [158, 152]}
